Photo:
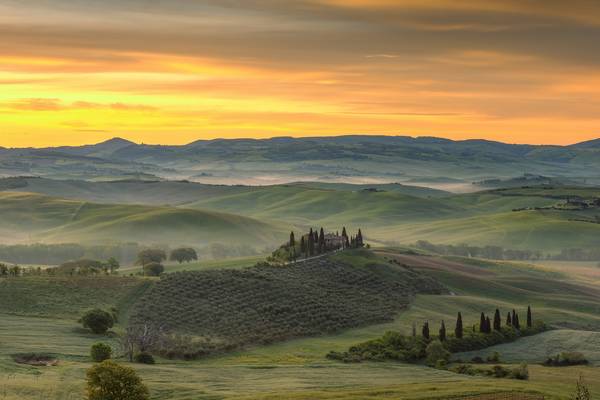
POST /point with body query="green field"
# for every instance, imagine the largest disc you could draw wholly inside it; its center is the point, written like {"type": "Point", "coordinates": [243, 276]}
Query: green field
{"type": "Point", "coordinates": [263, 215]}
{"type": "Point", "coordinates": [32, 217]}
{"type": "Point", "coordinates": [297, 369]}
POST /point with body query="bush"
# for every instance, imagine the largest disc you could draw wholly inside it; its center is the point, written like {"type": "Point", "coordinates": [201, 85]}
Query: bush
{"type": "Point", "coordinates": [436, 352]}
{"type": "Point", "coordinates": [97, 320]}
{"type": "Point", "coordinates": [522, 372]}
{"type": "Point", "coordinates": [100, 352]}
{"type": "Point", "coordinates": [144, 358]}
{"type": "Point", "coordinates": [111, 381]}
{"type": "Point", "coordinates": [153, 269]}
{"type": "Point", "coordinates": [494, 357]}
{"type": "Point", "coordinates": [565, 359]}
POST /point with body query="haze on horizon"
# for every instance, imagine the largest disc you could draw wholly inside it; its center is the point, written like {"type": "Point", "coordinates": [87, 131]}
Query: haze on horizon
{"type": "Point", "coordinates": [78, 72]}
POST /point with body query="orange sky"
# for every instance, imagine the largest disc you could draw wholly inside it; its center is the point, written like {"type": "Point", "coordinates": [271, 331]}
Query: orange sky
{"type": "Point", "coordinates": [74, 72]}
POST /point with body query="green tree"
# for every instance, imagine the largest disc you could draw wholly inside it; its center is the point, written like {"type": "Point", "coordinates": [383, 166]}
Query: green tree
{"type": "Point", "coordinates": [183, 254]}
{"type": "Point", "coordinates": [529, 318]}
{"type": "Point", "coordinates": [516, 323]}
{"type": "Point", "coordinates": [153, 269]}
{"type": "Point", "coordinates": [442, 332]}
{"type": "Point", "coordinates": [359, 239]}
{"type": "Point", "coordinates": [508, 319]}
{"type": "Point", "coordinates": [435, 352]}
{"type": "Point", "coordinates": [482, 323]}
{"type": "Point", "coordinates": [425, 330]}
{"type": "Point", "coordinates": [458, 331]}
{"type": "Point", "coordinates": [111, 381]}
{"type": "Point", "coordinates": [303, 246]}
{"type": "Point", "coordinates": [100, 352]}
{"type": "Point", "coordinates": [497, 320]}
{"type": "Point", "coordinates": [112, 264]}
{"type": "Point", "coordinates": [292, 246]}
{"type": "Point", "coordinates": [148, 256]}
{"type": "Point", "coordinates": [97, 320]}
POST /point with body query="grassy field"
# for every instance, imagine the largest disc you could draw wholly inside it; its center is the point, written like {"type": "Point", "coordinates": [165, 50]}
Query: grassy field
{"type": "Point", "coordinates": [297, 369]}
{"type": "Point", "coordinates": [31, 217]}
{"type": "Point", "coordinates": [263, 215]}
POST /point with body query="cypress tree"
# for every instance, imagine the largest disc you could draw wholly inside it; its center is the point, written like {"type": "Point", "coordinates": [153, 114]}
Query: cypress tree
{"type": "Point", "coordinates": [359, 239]}
{"type": "Point", "coordinates": [311, 243]}
{"type": "Point", "coordinates": [322, 240]}
{"type": "Point", "coordinates": [344, 234]}
{"type": "Point", "coordinates": [514, 318]}
{"type": "Point", "coordinates": [516, 322]}
{"type": "Point", "coordinates": [425, 330]}
{"type": "Point", "coordinates": [414, 329]}
{"type": "Point", "coordinates": [488, 325]}
{"type": "Point", "coordinates": [292, 239]}
{"type": "Point", "coordinates": [443, 332]}
{"type": "Point", "coordinates": [303, 246]}
{"type": "Point", "coordinates": [497, 320]}
{"type": "Point", "coordinates": [529, 319]}
{"type": "Point", "coordinates": [458, 331]}
{"type": "Point", "coordinates": [482, 323]}
{"type": "Point", "coordinates": [508, 319]}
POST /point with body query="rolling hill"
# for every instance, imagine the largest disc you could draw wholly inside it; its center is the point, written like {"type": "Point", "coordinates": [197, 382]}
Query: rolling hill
{"type": "Point", "coordinates": [32, 217]}
{"type": "Point", "coordinates": [358, 159]}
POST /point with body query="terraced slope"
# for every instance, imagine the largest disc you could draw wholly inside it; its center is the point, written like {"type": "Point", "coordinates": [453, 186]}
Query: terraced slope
{"type": "Point", "coordinates": [263, 304]}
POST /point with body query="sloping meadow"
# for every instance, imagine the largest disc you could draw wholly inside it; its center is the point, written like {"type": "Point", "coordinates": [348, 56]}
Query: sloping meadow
{"type": "Point", "coordinates": [220, 310]}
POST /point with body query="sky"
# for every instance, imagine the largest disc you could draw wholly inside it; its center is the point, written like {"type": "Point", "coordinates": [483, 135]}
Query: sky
{"type": "Point", "coordinates": [174, 71]}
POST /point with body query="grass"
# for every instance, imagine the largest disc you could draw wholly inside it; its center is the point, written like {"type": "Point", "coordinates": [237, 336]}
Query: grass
{"type": "Point", "coordinates": [297, 369]}
{"type": "Point", "coordinates": [66, 297]}
{"type": "Point", "coordinates": [54, 220]}
{"type": "Point", "coordinates": [537, 349]}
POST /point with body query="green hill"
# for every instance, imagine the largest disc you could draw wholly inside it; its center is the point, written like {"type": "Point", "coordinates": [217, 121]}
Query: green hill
{"type": "Point", "coordinates": [33, 217]}
{"type": "Point", "coordinates": [230, 308]}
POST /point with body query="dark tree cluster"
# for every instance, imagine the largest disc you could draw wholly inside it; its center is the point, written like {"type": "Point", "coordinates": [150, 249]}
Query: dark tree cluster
{"type": "Point", "coordinates": [414, 348]}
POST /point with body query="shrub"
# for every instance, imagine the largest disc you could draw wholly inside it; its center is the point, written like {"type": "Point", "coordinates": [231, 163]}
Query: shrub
{"type": "Point", "coordinates": [522, 372]}
{"type": "Point", "coordinates": [111, 381]}
{"type": "Point", "coordinates": [566, 359]}
{"type": "Point", "coordinates": [100, 352]}
{"type": "Point", "coordinates": [494, 357]}
{"type": "Point", "coordinates": [97, 320]}
{"type": "Point", "coordinates": [153, 269]}
{"type": "Point", "coordinates": [436, 352]}
{"type": "Point", "coordinates": [144, 358]}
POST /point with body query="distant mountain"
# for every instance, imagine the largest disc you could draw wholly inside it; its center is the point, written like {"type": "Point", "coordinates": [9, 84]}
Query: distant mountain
{"type": "Point", "coordinates": [350, 159]}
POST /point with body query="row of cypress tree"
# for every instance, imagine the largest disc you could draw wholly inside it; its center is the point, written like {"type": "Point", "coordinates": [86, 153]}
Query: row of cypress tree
{"type": "Point", "coordinates": [485, 324]}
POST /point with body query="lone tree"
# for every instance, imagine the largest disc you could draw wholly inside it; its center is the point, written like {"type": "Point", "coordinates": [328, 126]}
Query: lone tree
{"type": "Point", "coordinates": [442, 334]}
{"type": "Point", "coordinates": [425, 330]}
{"type": "Point", "coordinates": [458, 331]}
{"type": "Point", "coordinates": [529, 318]}
{"type": "Point", "coordinates": [111, 381]}
{"type": "Point", "coordinates": [97, 320]}
{"type": "Point", "coordinates": [497, 320]}
{"type": "Point", "coordinates": [183, 254]}
{"type": "Point", "coordinates": [148, 256]}
{"type": "Point", "coordinates": [153, 269]}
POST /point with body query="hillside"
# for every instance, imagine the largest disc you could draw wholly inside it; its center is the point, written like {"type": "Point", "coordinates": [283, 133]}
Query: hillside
{"type": "Point", "coordinates": [264, 304]}
{"type": "Point", "coordinates": [164, 192]}
{"type": "Point", "coordinates": [33, 217]}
